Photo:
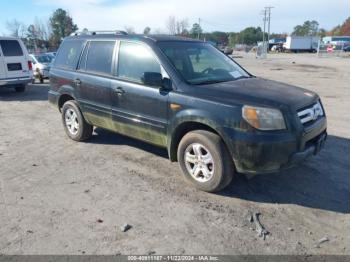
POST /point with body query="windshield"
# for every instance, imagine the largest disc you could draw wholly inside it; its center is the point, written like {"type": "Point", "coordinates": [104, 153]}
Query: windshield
{"type": "Point", "coordinates": [201, 63]}
{"type": "Point", "coordinates": [44, 58]}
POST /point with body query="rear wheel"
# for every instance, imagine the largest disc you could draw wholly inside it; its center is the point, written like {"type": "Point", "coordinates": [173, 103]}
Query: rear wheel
{"type": "Point", "coordinates": [205, 161]}
{"type": "Point", "coordinates": [74, 123]}
{"type": "Point", "coordinates": [20, 88]}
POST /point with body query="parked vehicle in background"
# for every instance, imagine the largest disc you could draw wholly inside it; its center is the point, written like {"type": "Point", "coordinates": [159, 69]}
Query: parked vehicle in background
{"type": "Point", "coordinates": [41, 66]}
{"type": "Point", "coordinates": [279, 41]}
{"type": "Point", "coordinates": [225, 49]}
{"type": "Point", "coordinates": [213, 117]}
{"type": "Point", "coordinates": [15, 64]}
{"type": "Point", "coordinates": [346, 48]}
{"type": "Point", "coordinates": [298, 44]}
{"type": "Point", "coordinates": [277, 48]}
{"type": "Point", "coordinates": [53, 54]}
{"type": "Point", "coordinates": [228, 50]}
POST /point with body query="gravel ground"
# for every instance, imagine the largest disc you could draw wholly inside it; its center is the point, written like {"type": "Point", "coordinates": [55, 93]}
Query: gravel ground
{"type": "Point", "coordinates": [62, 197]}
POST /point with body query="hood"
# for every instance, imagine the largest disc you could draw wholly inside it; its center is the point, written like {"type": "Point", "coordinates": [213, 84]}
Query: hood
{"type": "Point", "coordinates": [43, 65]}
{"type": "Point", "coordinates": [256, 91]}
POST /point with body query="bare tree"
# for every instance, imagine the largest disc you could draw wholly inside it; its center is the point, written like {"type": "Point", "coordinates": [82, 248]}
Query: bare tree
{"type": "Point", "coordinates": [182, 26]}
{"type": "Point", "coordinates": [16, 28]}
{"type": "Point", "coordinates": [42, 29]}
{"type": "Point", "coordinates": [130, 29]}
{"type": "Point", "coordinates": [171, 25]}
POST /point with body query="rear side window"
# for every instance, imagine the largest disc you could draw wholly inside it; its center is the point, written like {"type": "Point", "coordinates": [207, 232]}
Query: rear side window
{"type": "Point", "coordinates": [99, 57]}
{"type": "Point", "coordinates": [68, 54]}
{"type": "Point", "coordinates": [11, 48]}
{"type": "Point", "coordinates": [134, 60]}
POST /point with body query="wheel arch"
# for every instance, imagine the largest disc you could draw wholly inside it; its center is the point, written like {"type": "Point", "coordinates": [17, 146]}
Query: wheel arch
{"type": "Point", "coordinates": [63, 98]}
{"type": "Point", "coordinates": [66, 94]}
{"type": "Point", "coordinates": [187, 126]}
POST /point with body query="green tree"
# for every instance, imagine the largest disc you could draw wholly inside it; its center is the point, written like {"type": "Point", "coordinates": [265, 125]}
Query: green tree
{"type": "Point", "coordinates": [309, 28]}
{"type": "Point", "coordinates": [62, 25]}
{"type": "Point", "coordinates": [322, 32]}
{"type": "Point", "coordinates": [196, 30]}
{"type": "Point", "coordinates": [248, 36]}
{"type": "Point", "coordinates": [232, 39]}
{"type": "Point", "coordinates": [218, 37]}
{"type": "Point", "coordinates": [147, 30]}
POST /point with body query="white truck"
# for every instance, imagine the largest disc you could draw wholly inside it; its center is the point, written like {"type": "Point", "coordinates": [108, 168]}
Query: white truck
{"type": "Point", "coordinates": [16, 69]}
{"type": "Point", "coordinates": [301, 44]}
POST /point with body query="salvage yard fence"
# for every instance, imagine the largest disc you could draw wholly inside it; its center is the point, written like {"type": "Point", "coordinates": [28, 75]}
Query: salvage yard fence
{"type": "Point", "coordinates": [332, 50]}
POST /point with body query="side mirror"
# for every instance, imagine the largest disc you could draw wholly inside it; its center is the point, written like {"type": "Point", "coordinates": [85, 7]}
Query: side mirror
{"type": "Point", "coordinates": [152, 79]}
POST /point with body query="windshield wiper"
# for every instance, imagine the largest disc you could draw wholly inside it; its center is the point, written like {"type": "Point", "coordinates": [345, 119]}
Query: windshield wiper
{"type": "Point", "coordinates": [212, 81]}
{"type": "Point", "coordinates": [207, 82]}
{"type": "Point", "coordinates": [241, 77]}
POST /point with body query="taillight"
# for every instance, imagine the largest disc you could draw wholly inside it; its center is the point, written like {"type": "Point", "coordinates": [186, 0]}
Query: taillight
{"type": "Point", "coordinates": [30, 66]}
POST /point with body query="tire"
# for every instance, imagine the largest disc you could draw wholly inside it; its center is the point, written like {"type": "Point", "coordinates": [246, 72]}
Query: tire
{"type": "Point", "coordinates": [222, 168]}
{"type": "Point", "coordinates": [20, 89]}
{"type": "Point", "coordinates": [79, 130]}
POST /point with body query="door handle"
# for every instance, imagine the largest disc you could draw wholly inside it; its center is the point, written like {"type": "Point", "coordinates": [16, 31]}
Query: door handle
{"type": "Point", "coordinates": [119, 91]}
{"type": "Point", "coordinates": [77, 82]}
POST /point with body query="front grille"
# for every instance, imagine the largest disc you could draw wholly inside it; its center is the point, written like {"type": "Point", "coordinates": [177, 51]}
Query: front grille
{"type": "Point", "coordinates": [310, 114]}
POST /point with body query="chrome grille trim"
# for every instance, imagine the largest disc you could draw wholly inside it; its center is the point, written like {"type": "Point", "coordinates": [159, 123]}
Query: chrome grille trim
{"type": "Point", "coordinates": [311, 114]}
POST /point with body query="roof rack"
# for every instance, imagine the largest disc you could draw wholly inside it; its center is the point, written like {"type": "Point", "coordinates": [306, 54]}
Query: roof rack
{"type": "Point", "coordinates": [103, 32]}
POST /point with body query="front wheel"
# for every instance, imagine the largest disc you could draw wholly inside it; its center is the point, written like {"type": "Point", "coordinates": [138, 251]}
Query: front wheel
{"type": "Point", "coordinates": [74, 123]}
{"type": "Point", "coordinates": [205, 161]}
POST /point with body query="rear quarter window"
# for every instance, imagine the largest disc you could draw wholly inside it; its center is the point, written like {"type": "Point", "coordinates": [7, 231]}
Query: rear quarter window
{"type": "Point", "coordinates": [68, 54]}
{"type": "Point", "coordinates": [100, 57]}
{"type": "Point", "coordinates": [11, 48]}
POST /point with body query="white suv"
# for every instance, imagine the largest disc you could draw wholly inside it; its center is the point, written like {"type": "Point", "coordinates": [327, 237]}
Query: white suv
{"type": "Point", "coordinates": [15, 65]}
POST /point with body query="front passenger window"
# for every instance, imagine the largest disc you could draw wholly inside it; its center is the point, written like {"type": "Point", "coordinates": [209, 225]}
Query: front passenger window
{"type": "Point", "coordinates": [134, 60]}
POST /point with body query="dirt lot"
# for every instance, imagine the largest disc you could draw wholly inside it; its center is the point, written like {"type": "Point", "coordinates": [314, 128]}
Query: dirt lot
{"type": "Point", "coordinates": [54, 191]}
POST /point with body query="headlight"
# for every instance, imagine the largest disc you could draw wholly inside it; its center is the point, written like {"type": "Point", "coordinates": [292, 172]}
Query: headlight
{"type": "Point", "coordinates": [263, 118]}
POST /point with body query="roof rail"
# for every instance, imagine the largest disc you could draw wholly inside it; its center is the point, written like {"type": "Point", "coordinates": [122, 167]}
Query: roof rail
{"type": "Point", "coordinates": [102, 32]}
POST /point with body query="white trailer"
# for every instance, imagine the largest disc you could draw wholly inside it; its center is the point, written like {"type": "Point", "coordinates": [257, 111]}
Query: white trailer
{"type": "Point", "coordinates": [301, 43]}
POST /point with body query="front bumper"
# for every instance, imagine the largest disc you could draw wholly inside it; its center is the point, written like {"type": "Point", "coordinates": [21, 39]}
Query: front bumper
{"type": "Point", "coordinates": [45, 73]}
{"type": "Point", "coordinates": [10, 82]}
{"type": "Point", "coordinates": [265, 152]}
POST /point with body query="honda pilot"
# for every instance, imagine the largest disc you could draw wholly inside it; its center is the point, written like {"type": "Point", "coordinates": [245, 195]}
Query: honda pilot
{"type": "Point", "coordinates": [213, 117]}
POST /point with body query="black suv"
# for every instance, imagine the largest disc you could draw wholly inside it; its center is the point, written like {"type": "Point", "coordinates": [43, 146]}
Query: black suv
{"type": "Point", "coordinates": [213, 117]}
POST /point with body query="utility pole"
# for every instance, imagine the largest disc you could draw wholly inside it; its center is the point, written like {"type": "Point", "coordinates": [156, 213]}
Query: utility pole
{"type": "Point", "coordinates": [264, 13]}
{"type": "Point", "coordinates": [268, 10]}
{"type": "Point", "coordinates": [267, 18]}
{"type": "Point", "coordinates": [199, 27]}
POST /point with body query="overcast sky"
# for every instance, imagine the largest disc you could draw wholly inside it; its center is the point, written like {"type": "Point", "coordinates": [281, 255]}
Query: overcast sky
{"type": "Point", "coordinates": [223, 15]}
